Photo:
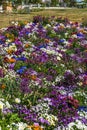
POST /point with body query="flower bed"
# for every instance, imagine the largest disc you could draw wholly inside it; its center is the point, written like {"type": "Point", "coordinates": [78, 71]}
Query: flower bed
{"type": "Point", "coordinates": [43, 75]}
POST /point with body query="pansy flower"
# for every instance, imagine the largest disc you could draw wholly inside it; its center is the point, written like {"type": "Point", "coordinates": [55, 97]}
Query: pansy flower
{"type": "Point", "coordinates": [21, 70]}
{"type": "Point", "coordinates": [21, 58]}
{"type": "Point", "coordinates": [82, 108]}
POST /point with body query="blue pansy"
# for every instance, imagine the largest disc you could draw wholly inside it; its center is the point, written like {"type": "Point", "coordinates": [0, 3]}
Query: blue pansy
{"type": "Point", "coordinates": [34, 24]}
{"type": "Point", "coordinates": [1, 42]}
{"type": "Point", "coordinates": [21, 58]}
{"type": "Point", "coordinates": [27, 33]}
{"type": "Point", "coordinates": [80, 35]}
{"type": "Point", "coordinates": [23, 67]}
{"type": "Point", "coordinates": [21, 70]}
{"type": "Point", "coordinates": [61, 40]}
{"type": "Point", "coordinates": [14, 57]}
{"type": "Point", "coordinates": [82, 108]}
{"type": "Point", "coordinates": [42, 46]}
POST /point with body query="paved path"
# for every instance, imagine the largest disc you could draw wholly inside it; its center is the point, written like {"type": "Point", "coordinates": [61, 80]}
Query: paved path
{"type": "Point", "coordinates": [51, 8]}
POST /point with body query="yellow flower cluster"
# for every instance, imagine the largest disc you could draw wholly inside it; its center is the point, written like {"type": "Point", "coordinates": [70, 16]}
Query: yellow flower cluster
{"type": "Point", "coordinates": [10, 36]}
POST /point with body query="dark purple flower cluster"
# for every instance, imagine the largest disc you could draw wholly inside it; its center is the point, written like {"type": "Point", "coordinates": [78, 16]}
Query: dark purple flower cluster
{"type": "Point", "coordinates": [64, 108]}
{"type": "Point", "coordinates": [24, 85]}
{"type": "Point", "coordinates": [26, 114]}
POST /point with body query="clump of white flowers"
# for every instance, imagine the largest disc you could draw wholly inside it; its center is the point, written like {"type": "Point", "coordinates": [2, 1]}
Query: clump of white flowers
{"type": "Point", "coordinates": [1, 105]}
{"type": "Point", "coordinates": [43, 111]}
{"type": "Point", "coordinates": [17, 126]}
{"type": "Point", "coordinates": [11, 74]}
{"type": "Point", "coordinates": [43, 106]}
{"type": "Point", "coordinates": [17, 100]}
{"type": "Point", "coordinates": [4, 104]}
{"type": "Point", "coordinates": [50, 118]}
{"type": "Point", "coordinates": [76, 125]}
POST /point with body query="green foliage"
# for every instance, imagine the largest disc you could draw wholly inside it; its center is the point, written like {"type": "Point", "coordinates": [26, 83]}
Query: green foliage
{"type": "Point", "coordinates": [8, 120]}
{"type": "Point", "coordinates": [54, 2]}
{"type": "Point", "coordinates": [12, 86]}
{"type": "Point", "coordinates": [81, 97]}
{"type": "Point", "coordinates": [19, 64]}
{"type": "Point", "coordinates": [23, 11]}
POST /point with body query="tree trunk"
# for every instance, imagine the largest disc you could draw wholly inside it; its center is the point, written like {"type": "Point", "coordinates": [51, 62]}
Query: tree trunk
{"type": "Point", "coordinates": [4, 5]}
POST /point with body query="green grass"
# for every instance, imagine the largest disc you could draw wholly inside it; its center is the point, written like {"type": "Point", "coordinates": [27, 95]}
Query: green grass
{"type": "Point", "coordinates": [72, 14]}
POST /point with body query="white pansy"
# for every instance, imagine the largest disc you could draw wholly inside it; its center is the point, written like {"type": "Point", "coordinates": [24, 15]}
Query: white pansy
{"type": "Point", "coordinates": [26, 54]}
{"type": "Point", "coordinates": [62, 65]}
{"type": "Point", "coordinates": [80, 83]}
{"type": "Point", "coordinates": [13, 47]}
{"type": "Point", "coordinates": [78, 124]}
{"type": "Point", "coordinates": [66, 42]}
{"type": "Point", "coordinates": [8, 40]}
{"type": "Point", "coordinates": [53, 32]}
{"type": "Point", "coordinates": [74, 36]}
{"type": "Point", "coordinates": [58, 78]}
{"type": "Point", "coordinates": [63, 50]}
{"type": "Point", "coordinates": [2, 99]}
{"type": "Point", "coordinates": [60, 54]}
{"type": "Point", "coordinates": [48, 25]}
{"type": "Point", "coordinates": [17, 100]}
{"type": "Point", "coordinates": [50, 118]}
{"type": "Point", "coordinates": [58, 58]}
{"type": "Point", "coordinates": [16, 23]}
{"type": "Point", "coordinates": [70, 126]}
{"type": "Point", "coordinates": [31, 49]}
{"type": "Point", "coordinates": [13, 22]}
{"type": "Point", "coordinates": [55, 27]}
{"type": "Point", "coordinates": [43, 49]}
{"type": "Point", "coordinates": [83, 114]}
{"type": "Point", "coordinates": [50, 51]}
{"type": "Point", "coordinates": [10, 74]}
{"type": "Point", "coordinates": [68, 26]}
{"type": "Point", "coordinates": [61, 24]}
{"type": "Point", "coordinates": [1, 106]}
{"type": "Point", "coordinates": [7, 104]}
{"type": "Point", "coordinates": [51, 43]}
{"type": "Point", "coordinates": [21, 126]}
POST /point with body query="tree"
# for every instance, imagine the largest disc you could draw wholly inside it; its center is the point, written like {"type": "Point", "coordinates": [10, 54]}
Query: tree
{"type": "Point", "coordinates": [70, 2]}
{"type": "Point", "coordinates": [54, 2]}
{"type": "Point", "coordinates": [0, 2]}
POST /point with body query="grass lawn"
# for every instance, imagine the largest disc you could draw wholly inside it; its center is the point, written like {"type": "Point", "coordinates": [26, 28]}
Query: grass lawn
{"type": "Point", "coordinates": [72, 14]}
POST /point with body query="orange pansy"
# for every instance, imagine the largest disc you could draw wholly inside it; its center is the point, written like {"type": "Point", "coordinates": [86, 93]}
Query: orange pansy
{"type": "Point", "coordinates": [37, 128]}
{"type": "Point", "coordinates": [3, 86]}
{"type": "Point", "coordinates": [46, 40]}
{"type": "Point", "coordinates": [33, 77]}
{"type": "Point", "coordinates": [33, 127]}
{"type": "Point", "coordinates": [12, 60]}
{"type": "Point", "coordinates": [26, 45]}
{"type": "Point", "coordinates": [61, 27]}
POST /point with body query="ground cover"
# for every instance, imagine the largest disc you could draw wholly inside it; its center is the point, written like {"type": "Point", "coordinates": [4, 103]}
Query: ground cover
{"type": "Point", "coordinates": [43, 75]}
